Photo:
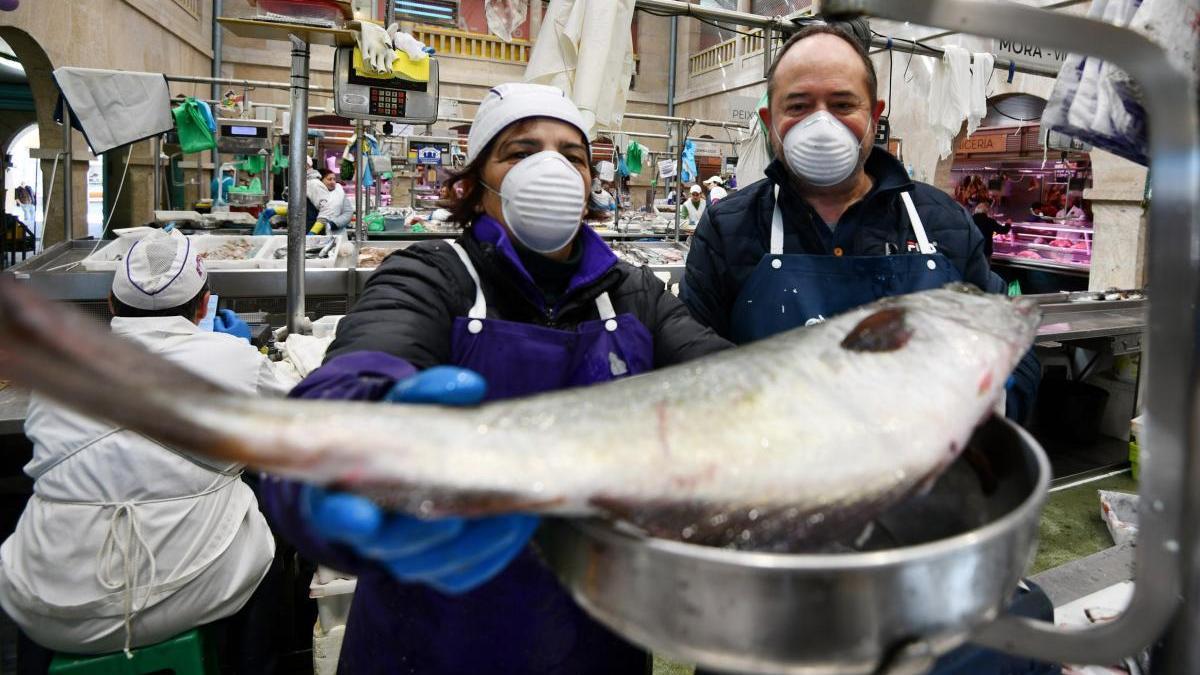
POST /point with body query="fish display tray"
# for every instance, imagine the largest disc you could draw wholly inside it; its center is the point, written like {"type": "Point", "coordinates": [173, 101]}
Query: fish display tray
{"type": "Point", "coordinates": [933, 568]}
{"type": "Point", "coordinates": [110, 256]}
{"type": "Point", "coordinates": [267, 260]}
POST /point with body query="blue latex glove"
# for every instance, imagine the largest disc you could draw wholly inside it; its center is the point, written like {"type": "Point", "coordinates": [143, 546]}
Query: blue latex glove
{"type": "Point", "coordinates": [453, 555]}
{"type": "Point", "coordinates": [227, 322]}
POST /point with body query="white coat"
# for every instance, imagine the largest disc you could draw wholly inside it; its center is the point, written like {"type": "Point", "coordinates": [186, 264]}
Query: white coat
{"type": "Point", "coordinates": [332, 205]}
{"type": "Point", "coordinates": [693, 212]}
{"type": "Point", "coordinates": [124, 536]}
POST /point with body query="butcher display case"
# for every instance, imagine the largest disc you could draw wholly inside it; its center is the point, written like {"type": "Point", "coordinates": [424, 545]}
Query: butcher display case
{"type": "Point", "coordinates": [1064, 246]}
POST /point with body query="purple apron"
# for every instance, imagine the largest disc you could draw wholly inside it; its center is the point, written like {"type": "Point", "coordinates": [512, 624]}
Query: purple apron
{"type": "Point", "coordinates": [522, 621]}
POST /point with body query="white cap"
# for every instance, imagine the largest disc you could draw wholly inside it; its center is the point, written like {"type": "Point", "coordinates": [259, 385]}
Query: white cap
{"type": "Point", "coordinates": [714, 179]}
{"type": "Point", "coordinates": [696, 190]}
{"type": "Point", "coordinates": [160, 271]}
{"type": "Point", "coordinates": [515, 101]}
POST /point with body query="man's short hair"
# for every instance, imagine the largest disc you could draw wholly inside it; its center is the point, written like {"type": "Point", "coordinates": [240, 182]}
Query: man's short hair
{"type": "Point", "coordinates": [836, 30]}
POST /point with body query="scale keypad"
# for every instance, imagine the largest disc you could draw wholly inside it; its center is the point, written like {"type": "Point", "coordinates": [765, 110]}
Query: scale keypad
{"type": "Point", "coordinates": [387, 102]}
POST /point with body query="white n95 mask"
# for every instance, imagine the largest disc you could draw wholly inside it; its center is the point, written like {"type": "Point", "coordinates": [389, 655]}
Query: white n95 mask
{"type": "Point", "coordinates": [542, 198]}
{"type": "Point", "coordinates": [821, 150]}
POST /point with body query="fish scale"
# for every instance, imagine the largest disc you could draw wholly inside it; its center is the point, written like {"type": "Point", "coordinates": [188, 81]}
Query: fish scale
{"type": "Point", "coordinates": [783, 444]}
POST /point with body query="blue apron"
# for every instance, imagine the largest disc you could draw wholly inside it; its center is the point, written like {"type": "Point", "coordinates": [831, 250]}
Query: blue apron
{"type": "Point", "coordinates": [790, 290]}
{"type": "Point", "coordinates": [522, 621]}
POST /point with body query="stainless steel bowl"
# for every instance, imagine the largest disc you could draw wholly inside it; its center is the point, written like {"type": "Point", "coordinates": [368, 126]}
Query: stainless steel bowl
{"type": "Point", "coordinates": [947, 562]}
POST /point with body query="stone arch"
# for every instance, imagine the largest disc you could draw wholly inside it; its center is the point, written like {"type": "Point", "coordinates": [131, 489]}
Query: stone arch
{"type": "Point", "coordinates": [39, 71]}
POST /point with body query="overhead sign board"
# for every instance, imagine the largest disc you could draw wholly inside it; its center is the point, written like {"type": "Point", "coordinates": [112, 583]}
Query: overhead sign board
{"type": "Point", "coordinates": [1026, 53]}
{"type": "Point", "coordinates": [743, 109]}
{"type": "Point", "coordinates": [988, 143]}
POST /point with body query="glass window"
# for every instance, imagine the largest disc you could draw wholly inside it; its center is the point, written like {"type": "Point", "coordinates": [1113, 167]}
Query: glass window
{"type": "Point", "coordinates": [711, 35]}
{"type": "Point", "coordinates": [778, 7]}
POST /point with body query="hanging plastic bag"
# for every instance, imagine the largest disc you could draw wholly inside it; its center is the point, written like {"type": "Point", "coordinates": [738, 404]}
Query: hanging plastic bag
{"type": "Point", "coordinates": [192, 127]}
{"type": "Point", "coordinates": [504, 17]}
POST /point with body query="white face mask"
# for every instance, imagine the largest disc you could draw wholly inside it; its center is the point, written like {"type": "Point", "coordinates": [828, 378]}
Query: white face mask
{"type": "Point", "coordinates": [542, 198]}
{"type": "Point", "coordinates": [821, 150]}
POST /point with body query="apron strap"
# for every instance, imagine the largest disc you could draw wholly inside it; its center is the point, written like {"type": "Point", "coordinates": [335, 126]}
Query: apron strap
{"type": "Point", "coordinates": [918, 227]}
{"type": "Point", "coordinates": [777, 227]}
{"type": "Point", "coordinates": [479, 309]}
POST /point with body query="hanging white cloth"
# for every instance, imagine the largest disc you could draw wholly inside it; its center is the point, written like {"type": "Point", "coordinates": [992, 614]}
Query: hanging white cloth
{"type": "Point", "coordinates": [981, 72]}
{"type": "Point", "coordinates": [949, 97]}
{"type": "Point", "coordinates": [754, 152]}
{"type": "Point", "coordinates": [585, 48]}
{"type": "Point", "coordinates": [115, 107]}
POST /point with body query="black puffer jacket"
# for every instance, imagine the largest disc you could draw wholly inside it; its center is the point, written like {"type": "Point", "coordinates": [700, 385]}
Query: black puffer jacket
{"type": "Point", "coordinates": [409, 305]}
{"type": "Point", "coordinates": [735, 234]}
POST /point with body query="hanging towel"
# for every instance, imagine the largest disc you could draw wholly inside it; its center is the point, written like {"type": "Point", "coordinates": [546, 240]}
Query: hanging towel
{"type": "Point", "coordinates": [949, 97]}
{"type": "Point", "coordinates": [585, 48]}
{"type": "Point", "coordinates": [113, 107]}
{"type": "Point", "coordinates": [981, 73]}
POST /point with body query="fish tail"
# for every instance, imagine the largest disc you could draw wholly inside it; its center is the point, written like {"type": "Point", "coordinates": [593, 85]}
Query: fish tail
{"type": "Point", "coordinates": [75, 360]}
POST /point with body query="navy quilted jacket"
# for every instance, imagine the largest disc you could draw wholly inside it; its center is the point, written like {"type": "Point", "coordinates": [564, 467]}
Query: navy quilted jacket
{"type": "Point", "coordinates": [735, 234]}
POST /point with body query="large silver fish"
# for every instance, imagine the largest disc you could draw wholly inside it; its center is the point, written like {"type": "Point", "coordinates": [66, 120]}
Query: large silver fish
{"type": "Point", "coordinates": [784, 443]}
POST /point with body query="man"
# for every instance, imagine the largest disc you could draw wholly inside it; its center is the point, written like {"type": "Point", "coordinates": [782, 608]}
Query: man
{"type": "Point", "coordinates": [694, 207]}
{"type": "Point", "coordinates": [837, 223]}
{"type": "Point", "coordinates": [837, 219]}
{"type": "Point", "coordinates": [126, 542]}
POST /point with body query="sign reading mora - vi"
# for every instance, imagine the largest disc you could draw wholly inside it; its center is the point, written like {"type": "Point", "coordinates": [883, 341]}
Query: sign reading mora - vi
{"type": "Point", "coordinates": [1028, 54]}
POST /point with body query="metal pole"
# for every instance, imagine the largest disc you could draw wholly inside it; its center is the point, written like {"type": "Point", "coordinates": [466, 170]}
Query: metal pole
{"type": "Point", "coordinates": [675, 8]}
{"type": "Point", "coordinates": [297, 171]}
{"type": "Point", "coordinates": [359, 230]}
{"type": "Point", "coordinates": [768, 35]}
{"type": "Point", "coordinates": [218, 47]}
{"type": "Point", "coordinates": [229, 81]}
{"type": "Point", "coordinates": [156, 148]}
{"type": "Point", "coordinates": [680, 136]}
{"type": "Point", "coordinates": [1169, 508]}
{"type": "Point", "coordinates": [68, 179]}
{"type": "Point", "coordinates": [672, 61]}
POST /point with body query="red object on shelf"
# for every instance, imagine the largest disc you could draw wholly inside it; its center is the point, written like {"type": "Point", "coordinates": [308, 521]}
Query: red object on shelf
{"type": "Point", "coordinates": [328, 10]}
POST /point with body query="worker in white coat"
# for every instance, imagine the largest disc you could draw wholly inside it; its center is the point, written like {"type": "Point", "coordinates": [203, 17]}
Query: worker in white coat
{"type": "Point", "coordinates": [126, 542]}
{"type": "Point", "coordinates": [716, 189]}
{"type": "Point", "coordinates": [693, 208]}
{"type": "Point", "coordinates": [328, 208]}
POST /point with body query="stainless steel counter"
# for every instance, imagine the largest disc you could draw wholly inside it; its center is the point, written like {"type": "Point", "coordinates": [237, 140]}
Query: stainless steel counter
{"type": "Point", "coordinates": [14, 403]}
{"type": "Point", "coordinates": [1064, 320]}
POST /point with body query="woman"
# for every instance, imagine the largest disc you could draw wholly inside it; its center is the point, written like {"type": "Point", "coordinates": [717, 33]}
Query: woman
{"type": "Point", "coordinates": [988, 226]}
{"type": "Point", "coordinates": [327, 204]}
{"type": "Point", "coordinates": [533, 301]}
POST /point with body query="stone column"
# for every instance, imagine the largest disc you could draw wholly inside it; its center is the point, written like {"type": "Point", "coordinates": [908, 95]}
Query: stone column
{"type": "Point", "coordinates": [1119, 244]}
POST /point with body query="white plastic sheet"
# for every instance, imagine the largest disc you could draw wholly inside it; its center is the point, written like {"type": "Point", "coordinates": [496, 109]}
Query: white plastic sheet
{"type": "Point", "coordinates": [504, 17]}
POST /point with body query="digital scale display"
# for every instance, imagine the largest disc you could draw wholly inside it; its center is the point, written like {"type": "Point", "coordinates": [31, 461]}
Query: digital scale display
{"type": "Point", "coordinates": [391, 100]}
{"type": "Point", "coordinates": [252, 132]}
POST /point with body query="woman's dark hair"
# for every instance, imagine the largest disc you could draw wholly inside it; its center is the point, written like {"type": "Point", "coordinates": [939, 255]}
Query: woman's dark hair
{"type": "Point", "coordinates": [323, 171]}
{"type": "Point", "coordinates": [464, 209]}
{"type": "Point", "coordinates": [187, 310]}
